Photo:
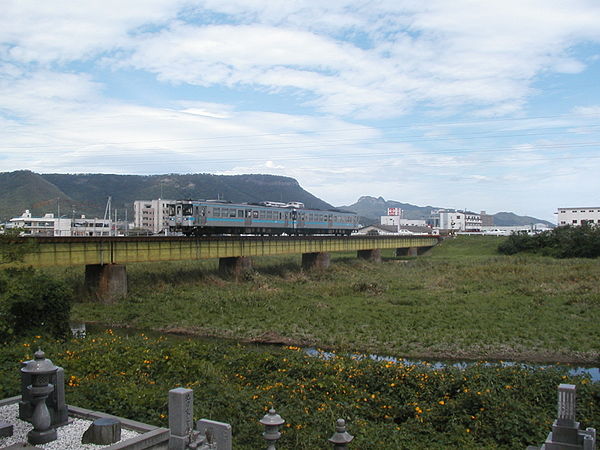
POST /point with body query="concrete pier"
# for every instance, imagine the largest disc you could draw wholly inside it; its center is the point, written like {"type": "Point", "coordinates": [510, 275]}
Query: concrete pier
{"type": "Point", "coordinates": [106, 283]}
{"type": "Point", "coordinates": [235, 266]}
{"type": "Point", "coordinates": [407, 251]}
{"type": "Point", "coordinates": [373, 255]}
{"type": "Point", "coordinates": [316, 260]}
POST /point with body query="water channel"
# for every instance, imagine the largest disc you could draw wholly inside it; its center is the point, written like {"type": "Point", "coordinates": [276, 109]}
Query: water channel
{"type": "Point", "coordinates": [593, 372]}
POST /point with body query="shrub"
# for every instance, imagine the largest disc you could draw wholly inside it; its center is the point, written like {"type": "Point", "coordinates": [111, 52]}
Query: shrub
{"type": "Point", "coordinates": [33, 303]}
{"type": "Point", "coordinates": [563, 242]}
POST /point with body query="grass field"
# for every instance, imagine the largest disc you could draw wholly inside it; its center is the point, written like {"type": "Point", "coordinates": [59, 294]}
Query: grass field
{"type": "Point", "coordinates": [462, 300]}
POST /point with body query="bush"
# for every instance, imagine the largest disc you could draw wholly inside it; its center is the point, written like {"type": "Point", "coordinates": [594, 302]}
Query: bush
{"type": "Point", "coordinates": [563, 242]}
{"type": "Point", "coordinates": [33, 303]}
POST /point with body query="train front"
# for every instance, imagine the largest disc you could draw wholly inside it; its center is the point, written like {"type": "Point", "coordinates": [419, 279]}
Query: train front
{"type": "Point", "coordinates": [181, 217]}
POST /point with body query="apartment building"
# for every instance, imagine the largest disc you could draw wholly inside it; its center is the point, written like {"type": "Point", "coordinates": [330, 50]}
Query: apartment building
{"type": "Point", "coordinates": [151, 215]}
{"type": "Point", "coordinates": [48, 225]}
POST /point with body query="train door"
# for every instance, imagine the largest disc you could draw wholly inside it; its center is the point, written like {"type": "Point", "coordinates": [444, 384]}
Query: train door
{"type": "Point", "coordinates": [202, 216]}
{"type": "Point", "coordinates": [330, 222]}
{"type": "Point", "coordinates": [300, 220]}
{"type": "Point", "coordinates": [248, 218]}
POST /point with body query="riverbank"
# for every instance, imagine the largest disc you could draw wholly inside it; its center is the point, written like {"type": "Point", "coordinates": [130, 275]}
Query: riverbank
{"type": "Point", "coordinates": [462, 301]}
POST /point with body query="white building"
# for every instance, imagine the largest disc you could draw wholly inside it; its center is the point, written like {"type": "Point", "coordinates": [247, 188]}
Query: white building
{"type": "Point", "coordinates": [91, 227]}
{"type": "Point", "coordinates": [48, 225]}
{"type": "Point", "coordinates": [398, 221]}
{"type": "Point", "coordinates": [578, 216]}
{"type": "Point", "coordinates": [458, 220]}
{"type": "Point", "coordinates": [151, 215]}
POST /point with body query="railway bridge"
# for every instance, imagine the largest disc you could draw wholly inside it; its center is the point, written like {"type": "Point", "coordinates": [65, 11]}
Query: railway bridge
{"type": "Point", "coordinates": [105, 258]}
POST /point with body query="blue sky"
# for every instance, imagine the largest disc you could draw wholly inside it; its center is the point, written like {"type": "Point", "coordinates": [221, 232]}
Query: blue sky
{"type": "Point", "coordinates": [484, 105]}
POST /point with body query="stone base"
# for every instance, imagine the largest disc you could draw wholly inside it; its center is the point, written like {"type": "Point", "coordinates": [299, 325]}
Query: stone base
{"type": "Point", "coordinates": [41, 437]}
{"type": "Point", "coordinates": [6, 430]}
{"type": "Point", "coordinates": [103, 431]}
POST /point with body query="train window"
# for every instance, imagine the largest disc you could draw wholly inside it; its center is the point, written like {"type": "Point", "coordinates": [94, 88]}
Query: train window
{"type": "Point", "coordinates": [255, 214]}
{"type": "Point", "coordinates": [171, 210]}
{"type": "Point", "coordinates": [261, 214]}
{"type": "Point", "coordinates": [216, 212]}
{"type": "Point", "coordinates": [187, 210]}
{"type": "Point", "coordinates": [232, 213]}
{"type": "Point", "coordinates": [240, 213]}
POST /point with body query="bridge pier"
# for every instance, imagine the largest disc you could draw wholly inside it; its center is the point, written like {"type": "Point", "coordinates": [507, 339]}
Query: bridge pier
{"type": "Point", "coordinates": [373, 255]}
{"type": "Point", "coordinates": [407, 251]}
{"type": "Point", "coordinates": [106, 283]}
{"type": "Point", "coordinates": [316, 260]}
{"type": "Point", "coordinates": [235, 266]}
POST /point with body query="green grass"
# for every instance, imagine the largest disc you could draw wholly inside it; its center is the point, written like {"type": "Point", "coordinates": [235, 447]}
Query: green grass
{"type": "Point", "coordinates": [461, 300]}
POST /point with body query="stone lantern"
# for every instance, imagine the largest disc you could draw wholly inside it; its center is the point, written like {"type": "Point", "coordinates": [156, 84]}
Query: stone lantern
{"type": "Point", "coordinates": [341, 438]}
{"type": "Point", "coordinates": [40, 370]}
{"type": "Point", "coordinates": [272, 421]}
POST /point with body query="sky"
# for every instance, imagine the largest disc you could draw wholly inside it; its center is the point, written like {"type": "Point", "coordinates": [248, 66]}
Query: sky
{"type": "Point", "coordinates": [481, 105]}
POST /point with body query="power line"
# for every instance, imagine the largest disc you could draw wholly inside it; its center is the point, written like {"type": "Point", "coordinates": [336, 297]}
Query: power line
{"type": "Point", "coordinates": [320, 133]}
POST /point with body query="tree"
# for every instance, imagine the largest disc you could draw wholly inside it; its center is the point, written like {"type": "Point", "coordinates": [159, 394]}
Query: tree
{"type": "Point", "coordinates": [13, 247]}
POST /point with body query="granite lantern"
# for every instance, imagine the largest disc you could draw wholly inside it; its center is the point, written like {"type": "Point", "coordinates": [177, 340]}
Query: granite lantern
{"type": "Point", "coordinates": [272, 422]}
{"type": "Point", "coordinates": [40, 369]}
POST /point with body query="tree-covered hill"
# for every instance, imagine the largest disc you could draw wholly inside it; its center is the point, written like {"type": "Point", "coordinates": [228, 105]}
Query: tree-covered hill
{"type": "Point", "coordinates": [77, 194]}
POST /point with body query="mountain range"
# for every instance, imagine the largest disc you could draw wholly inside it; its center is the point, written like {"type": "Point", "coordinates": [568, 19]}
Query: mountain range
{"type": "Point", "coordinates": [70, 195]}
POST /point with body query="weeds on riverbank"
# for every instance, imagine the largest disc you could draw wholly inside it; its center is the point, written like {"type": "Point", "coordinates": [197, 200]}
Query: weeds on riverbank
{"type": "Point", "coordinates": [461, 301]}
{"type": "Point", "coordinates": [385, 404]}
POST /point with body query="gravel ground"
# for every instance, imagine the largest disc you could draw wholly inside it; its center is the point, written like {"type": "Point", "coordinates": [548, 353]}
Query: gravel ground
{"type": "Point", "coordinates": [69, 436]}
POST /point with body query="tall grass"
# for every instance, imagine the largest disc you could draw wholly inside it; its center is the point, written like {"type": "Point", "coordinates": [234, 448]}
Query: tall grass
{"type": "Point", "coordinates": [462, 300]}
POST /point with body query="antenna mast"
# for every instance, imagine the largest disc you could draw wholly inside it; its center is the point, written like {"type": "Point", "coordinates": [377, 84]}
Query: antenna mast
{"type": "Point", "coordinates": [107, 209]}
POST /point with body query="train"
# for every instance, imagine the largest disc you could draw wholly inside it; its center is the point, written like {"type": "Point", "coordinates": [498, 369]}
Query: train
{"type": "Point", "coordinates": [218, 217]}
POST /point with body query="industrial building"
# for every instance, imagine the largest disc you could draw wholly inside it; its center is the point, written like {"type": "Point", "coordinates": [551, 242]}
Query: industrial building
{"type": "Point", "coordinates": [578, 216]}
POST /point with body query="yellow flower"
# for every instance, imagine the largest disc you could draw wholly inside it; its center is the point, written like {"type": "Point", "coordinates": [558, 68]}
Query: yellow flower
{"type": "Point", "coordinates": [441, 402]}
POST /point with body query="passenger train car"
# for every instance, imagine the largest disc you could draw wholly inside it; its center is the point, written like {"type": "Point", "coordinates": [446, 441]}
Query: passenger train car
{"type": "Point", "coordinates": [207, 217]}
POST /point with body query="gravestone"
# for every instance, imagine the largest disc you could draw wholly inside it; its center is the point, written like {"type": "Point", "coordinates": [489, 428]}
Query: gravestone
{"type": "Point", "coordinates": [565, 434]}
{"type": "Point", "coordinates": [181, 423]}
{"type": "Point", "coordinates": [218, 433]}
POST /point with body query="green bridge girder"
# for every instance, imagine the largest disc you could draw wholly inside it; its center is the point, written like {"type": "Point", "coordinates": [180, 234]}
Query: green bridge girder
{"type": "Point", "coordinates": [68, 251]}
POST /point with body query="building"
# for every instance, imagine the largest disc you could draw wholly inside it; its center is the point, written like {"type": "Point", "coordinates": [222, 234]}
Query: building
{"type": "Point", "coordinates": [457, 220]}
{"type": "Point", "coordinates": [394, 230]}
{"type": "Point", "coordinates": [578, 216]}
{"type": "Point", "coordinates": [395, 218]}
{"type": "Point", "coordinates": [487, 220]}
{"type": "Point", "coordinates": [91, 227]}
{"type": "Point", "coordinates": [151, 215]}
{"type": "Point", "coordinates": [48, 225]}
{"type": "Point", "coordinates": [398, 221]}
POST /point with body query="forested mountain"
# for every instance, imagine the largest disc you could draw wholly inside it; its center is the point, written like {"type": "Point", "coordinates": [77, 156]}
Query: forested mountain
{"type": "Point", "coordinates": [76, 194]}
